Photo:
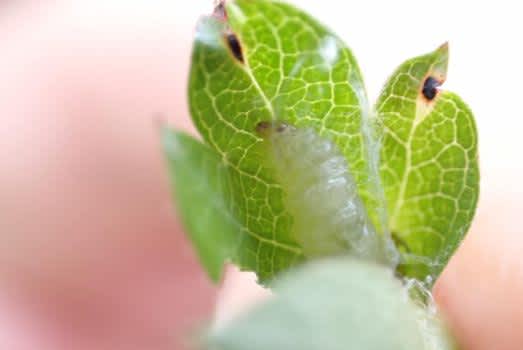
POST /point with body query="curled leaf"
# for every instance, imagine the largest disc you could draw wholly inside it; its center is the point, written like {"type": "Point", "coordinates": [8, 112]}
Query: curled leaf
{"type": "Point", "coordinates": [429, 164]}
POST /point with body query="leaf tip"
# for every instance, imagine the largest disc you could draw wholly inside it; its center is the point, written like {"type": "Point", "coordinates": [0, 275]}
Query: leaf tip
{"type": "Point", "coordinates": [220, 11]}
{"type": "Point", "coordinates": [441, 55]}
{"type": "Point", "coordinates": [444, 48]}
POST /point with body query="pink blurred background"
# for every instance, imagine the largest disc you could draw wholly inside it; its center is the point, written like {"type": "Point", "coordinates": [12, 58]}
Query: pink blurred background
{"type": "Point", "coordinates": [91, 254]}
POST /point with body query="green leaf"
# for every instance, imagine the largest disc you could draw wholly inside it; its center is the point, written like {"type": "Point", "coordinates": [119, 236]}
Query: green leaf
{"type": "Point", "coordinates": [334, 304]}
{"type": "Point", "coordinates": [429, 164]}
{"type": "Point", "coordinates": [266, 61]}
{"type": "Point", "coordinates": [201, 184]}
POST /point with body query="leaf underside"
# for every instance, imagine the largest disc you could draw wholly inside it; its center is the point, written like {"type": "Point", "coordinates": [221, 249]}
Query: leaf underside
{"type": "Point", "coordinates": [334, 304]}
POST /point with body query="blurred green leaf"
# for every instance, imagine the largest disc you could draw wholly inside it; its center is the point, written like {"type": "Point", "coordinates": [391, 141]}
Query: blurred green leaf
{"type": "Point", "coordinates": [334, 304]}
{"type": "Point", "coordinates": [201, 185]}
{"type": "Point", "coordinates": [429, 164]}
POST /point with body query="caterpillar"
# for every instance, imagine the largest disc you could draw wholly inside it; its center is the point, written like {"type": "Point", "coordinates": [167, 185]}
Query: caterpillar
{"type": "Point", "coordinates": [320, 192]}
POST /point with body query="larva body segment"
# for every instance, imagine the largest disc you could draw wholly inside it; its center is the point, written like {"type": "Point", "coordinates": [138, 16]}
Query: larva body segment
{"type": "Point", "coordinates": [321, 195]}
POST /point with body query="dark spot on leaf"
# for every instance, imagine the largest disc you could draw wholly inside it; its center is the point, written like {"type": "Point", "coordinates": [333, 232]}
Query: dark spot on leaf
{"type": "Point", "coordinates": [430, 88]}
{"type": "Point", "coordinates": [266, 128]}
{"type": "Point", "coordinates": [234, 46]}
{"type": "Point", "coordinates": [263, 127]}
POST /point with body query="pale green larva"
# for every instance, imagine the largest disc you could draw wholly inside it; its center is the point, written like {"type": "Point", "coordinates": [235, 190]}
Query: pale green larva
{"type": "Point", "coordinates": [321, 195]}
